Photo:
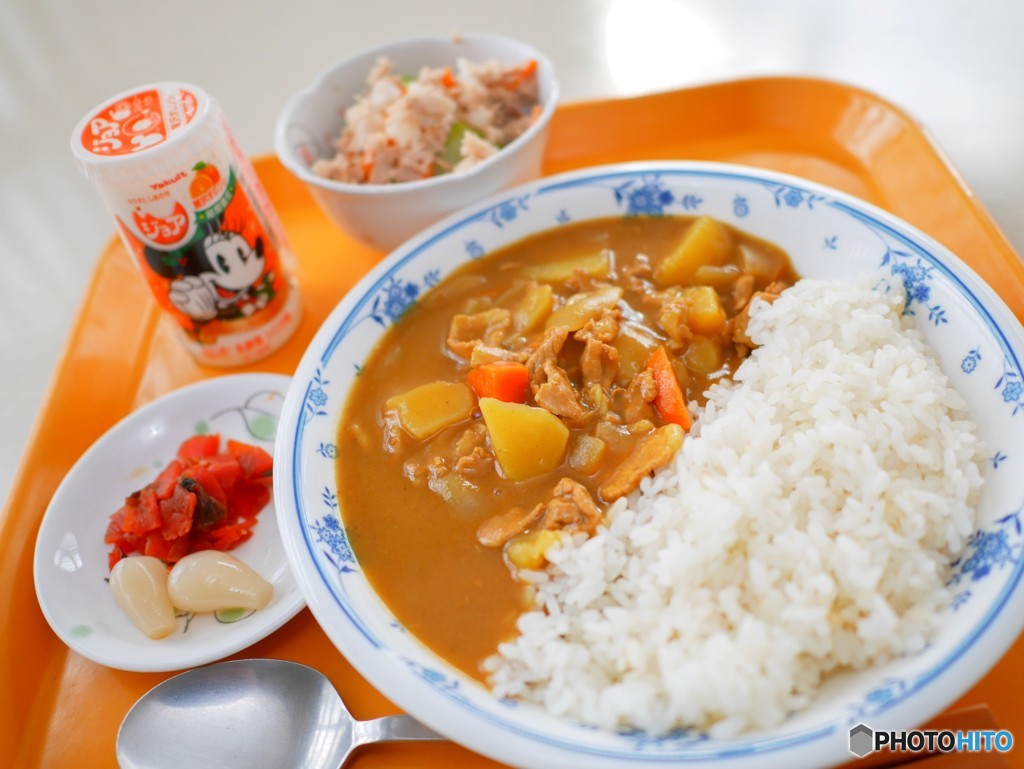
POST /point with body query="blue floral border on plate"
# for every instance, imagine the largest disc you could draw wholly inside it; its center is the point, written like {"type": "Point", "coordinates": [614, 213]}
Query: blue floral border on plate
{"type": "Point", "coordinates": [652, 201]}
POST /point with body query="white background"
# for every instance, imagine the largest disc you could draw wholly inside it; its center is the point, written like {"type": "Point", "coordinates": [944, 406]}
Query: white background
{"type": "Point", "coordinates": [955, 65]}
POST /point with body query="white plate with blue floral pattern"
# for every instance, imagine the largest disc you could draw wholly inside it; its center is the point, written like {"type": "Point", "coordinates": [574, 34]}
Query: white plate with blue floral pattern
{"type": "Point", "coordinates": [828, 235]}
{"type": "Point", "coordinates": [70, 567]}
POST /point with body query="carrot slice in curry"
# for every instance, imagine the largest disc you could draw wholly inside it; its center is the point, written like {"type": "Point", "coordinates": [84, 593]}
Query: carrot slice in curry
{"type": "Point", "coordinates": [669, 401]}
{"type": "Point", "coordinates": [505, 380]}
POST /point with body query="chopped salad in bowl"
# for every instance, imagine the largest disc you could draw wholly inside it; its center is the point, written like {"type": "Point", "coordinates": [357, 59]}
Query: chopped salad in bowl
{"type": "Point", "coordinates": [441, 124]}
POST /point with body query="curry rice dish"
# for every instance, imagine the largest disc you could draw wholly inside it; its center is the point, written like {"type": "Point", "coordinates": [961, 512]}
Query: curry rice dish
{"type": "Point", "coordinates": [511, 476]}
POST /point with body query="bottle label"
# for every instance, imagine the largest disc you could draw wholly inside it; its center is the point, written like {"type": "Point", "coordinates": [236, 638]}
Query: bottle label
{"type": "Point", "coordinates": [191, 212]}
{"type": "Point", "coordinates": [205, 252]}
{"type": "Point", "coordinates": [138, 121]}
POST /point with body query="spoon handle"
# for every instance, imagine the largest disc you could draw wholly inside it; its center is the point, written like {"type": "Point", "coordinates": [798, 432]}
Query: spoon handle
{"type": "Point", "coordinates": [394, 729]}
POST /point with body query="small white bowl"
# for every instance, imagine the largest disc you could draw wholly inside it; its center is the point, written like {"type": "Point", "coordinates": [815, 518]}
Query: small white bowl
{"type": "Point", "coordinates": [385, 215]}
{"type": "Point", "coordinates": [828, 234]}
{"type": "Point", "coordinates": [70, 566]}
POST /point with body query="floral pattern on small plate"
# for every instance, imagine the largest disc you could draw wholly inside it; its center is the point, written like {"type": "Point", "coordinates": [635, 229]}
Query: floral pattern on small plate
{"type": "Point", "coordinates": [70, 566]}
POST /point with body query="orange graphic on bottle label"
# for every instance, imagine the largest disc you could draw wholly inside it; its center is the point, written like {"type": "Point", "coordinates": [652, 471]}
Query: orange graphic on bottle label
{"type": "Point", "coordinates": [205, 186]}
{"type": "Point", "coordinates": [222, 276]}
{"type": "Point", "coordinates": [165, 231]}
{"type": "Point", "coordinates": [136, 122]}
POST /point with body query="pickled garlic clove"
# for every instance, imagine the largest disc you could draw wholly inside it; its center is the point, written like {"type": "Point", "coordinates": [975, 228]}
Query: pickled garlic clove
{"type": "Point", "coordinates": [139, 584]}
{"type": "Point", "coordinates": [208, 580]}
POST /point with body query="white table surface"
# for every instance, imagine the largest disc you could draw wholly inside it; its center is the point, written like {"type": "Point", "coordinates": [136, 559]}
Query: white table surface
{"type": "Point", "coordinates": [955, 65]}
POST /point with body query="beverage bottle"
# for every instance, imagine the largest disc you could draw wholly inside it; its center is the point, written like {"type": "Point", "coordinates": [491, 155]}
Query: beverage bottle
{"type": "Point", "coordinates": [195, 218]}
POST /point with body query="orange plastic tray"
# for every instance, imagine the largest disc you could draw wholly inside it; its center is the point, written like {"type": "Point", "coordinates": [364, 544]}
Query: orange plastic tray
{"type": "Point", "coordinates": [59, 710]}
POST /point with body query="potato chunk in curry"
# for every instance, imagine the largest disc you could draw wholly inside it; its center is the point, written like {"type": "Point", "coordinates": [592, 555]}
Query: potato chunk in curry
{"type": "Point", "coordinates": [528, 441]}
{"type": "Point", "coordinates": [431, 407]}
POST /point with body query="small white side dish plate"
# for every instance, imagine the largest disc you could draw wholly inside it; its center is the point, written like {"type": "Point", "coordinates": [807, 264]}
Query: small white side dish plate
{"type": "Point", "coordinates": [70, 567]}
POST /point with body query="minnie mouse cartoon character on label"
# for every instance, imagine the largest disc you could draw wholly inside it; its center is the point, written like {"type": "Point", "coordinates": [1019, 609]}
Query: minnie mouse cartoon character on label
{"type": "Point", "coordinates": [191, 212]}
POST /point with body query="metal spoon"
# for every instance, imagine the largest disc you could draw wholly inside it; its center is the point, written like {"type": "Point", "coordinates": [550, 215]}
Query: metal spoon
{"type": "Point", "coordinates": [251, 714]}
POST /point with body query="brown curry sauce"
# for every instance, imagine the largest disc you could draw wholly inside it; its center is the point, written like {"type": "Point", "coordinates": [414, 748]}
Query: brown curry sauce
{"type": "Point", "coordinates": [419, 550]}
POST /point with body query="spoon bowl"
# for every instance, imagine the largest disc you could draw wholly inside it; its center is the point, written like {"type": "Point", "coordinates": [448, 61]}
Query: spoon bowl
{"type": "Point", "coordinates": [256, 714]}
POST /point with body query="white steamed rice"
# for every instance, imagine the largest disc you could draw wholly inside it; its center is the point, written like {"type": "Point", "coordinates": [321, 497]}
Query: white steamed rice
{"type": "Point", "coordinates": [806, 526]}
